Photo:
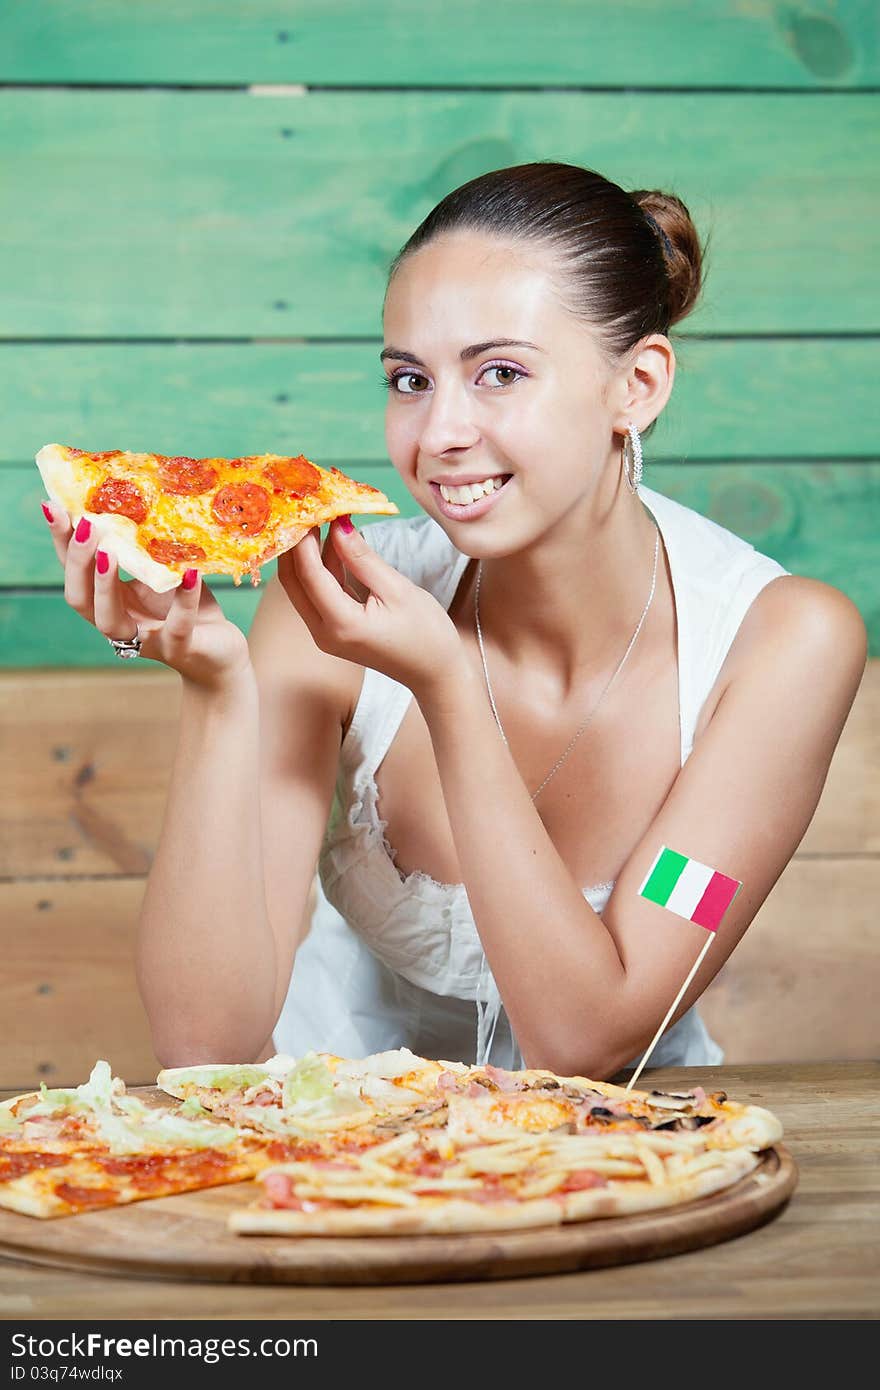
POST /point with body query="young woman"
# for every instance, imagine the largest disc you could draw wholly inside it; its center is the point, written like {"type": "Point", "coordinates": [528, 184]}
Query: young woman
{"type": "Point", "coordinates": [518, 696]}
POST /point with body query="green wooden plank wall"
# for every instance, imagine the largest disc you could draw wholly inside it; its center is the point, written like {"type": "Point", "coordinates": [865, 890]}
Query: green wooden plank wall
{"type": "Point", "coordinates": [205, 214]}
{"type": "Point", "coordinates": [395, 43]}
{"type": "Point", "coordinates": [193, 257]}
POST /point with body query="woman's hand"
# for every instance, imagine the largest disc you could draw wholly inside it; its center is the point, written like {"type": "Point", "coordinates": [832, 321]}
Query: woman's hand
{"type": "Point", "coordinates": [358, 607]}
{"type": "Point", "coordinates": [183, 628]}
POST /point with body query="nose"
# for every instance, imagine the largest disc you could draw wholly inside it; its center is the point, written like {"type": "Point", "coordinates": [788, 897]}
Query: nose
{"type": "Point", "coordinates": [448, 422]}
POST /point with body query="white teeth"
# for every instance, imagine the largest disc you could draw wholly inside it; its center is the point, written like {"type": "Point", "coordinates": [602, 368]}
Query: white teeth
{"type": "Point", "coordinates": [471, 492]}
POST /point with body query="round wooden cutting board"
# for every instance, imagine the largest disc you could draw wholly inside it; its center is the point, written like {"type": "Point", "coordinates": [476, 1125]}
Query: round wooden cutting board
{"type": "Point", "coordinates": [185, 1237]}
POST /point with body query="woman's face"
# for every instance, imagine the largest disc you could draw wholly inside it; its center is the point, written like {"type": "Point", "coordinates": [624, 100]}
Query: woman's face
{"type": "Point", "coordinates": [530, 413]}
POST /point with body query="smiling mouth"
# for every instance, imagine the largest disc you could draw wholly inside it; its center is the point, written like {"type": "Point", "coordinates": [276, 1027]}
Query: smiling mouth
{"type": "Point", "coordinates": [469, 510]}
{"type": "Point", "coordinates": [466, 495]}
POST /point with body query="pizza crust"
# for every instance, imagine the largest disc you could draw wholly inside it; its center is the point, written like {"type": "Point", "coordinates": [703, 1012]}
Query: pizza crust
{"type": "Point", "coordinates": [117, 534]}
{"type": "Point", "coordinates": [24, 1195]}
{"type": "Point", "coordinates": [752, 1128]}
{"type": "Point", "coordinates": [440, 1218]}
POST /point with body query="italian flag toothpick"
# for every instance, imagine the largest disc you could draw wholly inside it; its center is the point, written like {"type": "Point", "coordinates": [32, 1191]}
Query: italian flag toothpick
{"type": "Point", "coordinates": [689, 888]}
{"type": "Point", "coordinates": [699, 894]}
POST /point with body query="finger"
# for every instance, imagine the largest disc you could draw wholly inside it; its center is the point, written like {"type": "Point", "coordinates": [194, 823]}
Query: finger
{"type": "Point", "coordinates": [111, 611]}
{"type": "Point", "coordinates": [79, 577]}
{"type": "Point", "coordinates": [361, 560]}
{"type": "Point", "coordinates": [176, 631]}
{"type": "Point", "coordinates": [335, 607]}
{"type": "Point", "coordinates": [60, 529]}
{"type": "Point", "coordinates": [335, 566]}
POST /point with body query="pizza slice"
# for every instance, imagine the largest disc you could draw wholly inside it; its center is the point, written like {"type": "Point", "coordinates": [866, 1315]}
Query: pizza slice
{"type": "Point", "coordinates": [65, 1151]}
{"type": "Point", "coordinates": [492, 1102]}
{"type": "Point", "coordinates": [319, 1093]}
{"type": "Point", "coordinates": [429, 1182]}
{"type": "Point", "coordinates": [161, 515]}
{"type": "Point", "coordinates": [66, 1186]}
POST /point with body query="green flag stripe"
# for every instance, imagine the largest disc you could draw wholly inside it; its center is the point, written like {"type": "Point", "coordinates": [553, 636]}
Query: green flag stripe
{"type": "Point", "coordinates": [664, 876]}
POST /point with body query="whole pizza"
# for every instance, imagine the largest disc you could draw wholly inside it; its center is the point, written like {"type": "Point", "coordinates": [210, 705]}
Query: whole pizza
{"type": "Point", "coordinates": [388, 1144]}
{"type": "Point", "coordinates": [161, 515]}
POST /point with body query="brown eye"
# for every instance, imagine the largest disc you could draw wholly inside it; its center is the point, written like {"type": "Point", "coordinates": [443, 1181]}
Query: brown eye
{"type": "Point", "coordinates": [513, 373]}
{"type": "Point", "coordinates": [407, 376]}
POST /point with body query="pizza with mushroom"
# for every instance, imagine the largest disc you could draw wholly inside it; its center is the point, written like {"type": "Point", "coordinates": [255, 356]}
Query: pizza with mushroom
{"type": "Point", "coordinates": [162, 515]}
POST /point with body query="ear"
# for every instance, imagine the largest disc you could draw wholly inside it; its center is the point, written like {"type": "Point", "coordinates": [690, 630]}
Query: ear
{"type": "Point", "coordinates": [644, 384]}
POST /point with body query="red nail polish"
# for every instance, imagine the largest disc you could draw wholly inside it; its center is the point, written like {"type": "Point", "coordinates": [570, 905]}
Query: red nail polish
{"type": "Point", "coordinates": [83, 530]}
{"type": "Point", "coordinates": [102, 560]}
{"type": "Point", "coordinates": [346, 523]}
{"type": "Point", "coordinates": [46, 513]}
{"type": "Point", "coordinates": [190, 579]}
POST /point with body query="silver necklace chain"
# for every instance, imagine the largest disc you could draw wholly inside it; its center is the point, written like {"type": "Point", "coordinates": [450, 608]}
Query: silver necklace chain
{"type": "Point", "coordinates": [591, 716]}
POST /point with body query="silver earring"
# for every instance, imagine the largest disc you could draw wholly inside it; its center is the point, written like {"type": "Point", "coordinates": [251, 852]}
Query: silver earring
{"type": "Point", "coordinates": [632, 467]}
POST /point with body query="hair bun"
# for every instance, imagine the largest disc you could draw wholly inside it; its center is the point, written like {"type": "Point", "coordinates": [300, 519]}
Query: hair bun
{"type": "Point", "coordinates": [680, 241]}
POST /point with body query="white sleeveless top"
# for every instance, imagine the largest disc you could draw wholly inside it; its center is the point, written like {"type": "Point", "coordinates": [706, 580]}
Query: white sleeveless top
{"type": "Point", "coordinates": [393, 960]}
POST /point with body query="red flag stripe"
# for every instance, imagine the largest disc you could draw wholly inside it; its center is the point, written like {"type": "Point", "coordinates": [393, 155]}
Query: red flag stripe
{"type": "Point", "coordinates": [719, 894]}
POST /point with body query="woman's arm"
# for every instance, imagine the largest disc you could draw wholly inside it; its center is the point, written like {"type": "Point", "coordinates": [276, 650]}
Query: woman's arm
{"type": "Point", "coordinates": [254, 763]}
{"type": "Point", "coordinates": [247, 806]}
{"type": "Point", "coordinates": [208, 994]}
{"type": "Point", "coordinates": [585, 993]}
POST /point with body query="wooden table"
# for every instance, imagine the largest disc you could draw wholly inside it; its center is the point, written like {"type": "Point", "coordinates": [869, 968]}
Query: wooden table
{"type": "Point", "coordinates": [820, 1258]}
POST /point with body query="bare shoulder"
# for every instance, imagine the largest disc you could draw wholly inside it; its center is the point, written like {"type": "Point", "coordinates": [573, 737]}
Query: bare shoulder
{"type": "Point", "coordinates": [806, 637]}
{"type": "Point", "coordinates": [804, 619]}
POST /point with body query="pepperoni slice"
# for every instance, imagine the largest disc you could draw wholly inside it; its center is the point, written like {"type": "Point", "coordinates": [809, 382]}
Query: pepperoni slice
{"type": "Point", "coordinates": [154, 1170]}
{"type": "Point", "coordinates": [13, 1165]}
{"type": "Point", "coordinates": [242, 507]}
{"type": "Point", "coordinates": [294, 477]}
{"type": "Point", "coordinates": [120, 496]}
{"type": "Point", "coordinates": [174, 552]}
{"type": "Point", "coordinates": [186, 477]}
{"type": "Point", "coordinates": [85, 1196]}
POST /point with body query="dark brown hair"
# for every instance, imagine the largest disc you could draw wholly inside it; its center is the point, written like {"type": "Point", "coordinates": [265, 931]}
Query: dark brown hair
{"type": "Point", "coordinates": [622, 274]}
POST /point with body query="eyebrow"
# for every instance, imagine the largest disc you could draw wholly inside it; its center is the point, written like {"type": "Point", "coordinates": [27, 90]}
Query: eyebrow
{"type": "Point", "coordinates": [466, 353]}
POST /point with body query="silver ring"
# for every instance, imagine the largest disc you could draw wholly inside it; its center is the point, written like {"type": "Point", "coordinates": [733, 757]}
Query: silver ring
{"type": "Point", "coordinates": [127, 650]}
